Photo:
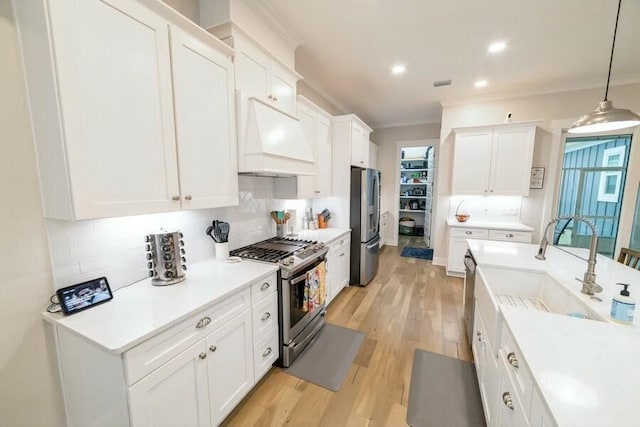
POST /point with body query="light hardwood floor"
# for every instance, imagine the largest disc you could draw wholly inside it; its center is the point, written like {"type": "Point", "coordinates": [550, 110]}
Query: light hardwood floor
{"type": "Point", "coordinates": [410, 304]}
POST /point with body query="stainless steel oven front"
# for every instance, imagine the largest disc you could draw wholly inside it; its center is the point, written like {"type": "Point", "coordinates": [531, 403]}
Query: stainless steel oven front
{"type": "Point", "coordinates": [298, 326]}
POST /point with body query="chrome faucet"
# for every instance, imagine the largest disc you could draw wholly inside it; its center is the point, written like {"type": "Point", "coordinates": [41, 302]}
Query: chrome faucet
{"type": "Point", "coordinates": [589, 285]}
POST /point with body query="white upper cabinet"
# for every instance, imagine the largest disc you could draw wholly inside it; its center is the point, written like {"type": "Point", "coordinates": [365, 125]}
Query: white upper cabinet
{"type": "Point", "coordinates": [257, 75]}
{"type": "Point", "coordinates": [102, 106]}
{"type": "Point", "coordinates": [203, 84]}
{"type": "Point", "coordinates": [354, 133]}
{"type": "Point", "coordinates": [316, 125]}
{"type": "Point", "coordinates": [493, 160]}
{"type": "Point", "coordinates": [373, 155]}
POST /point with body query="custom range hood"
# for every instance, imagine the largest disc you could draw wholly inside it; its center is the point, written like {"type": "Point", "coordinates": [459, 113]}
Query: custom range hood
{"type": "Point", "coordinates": [271, 142]}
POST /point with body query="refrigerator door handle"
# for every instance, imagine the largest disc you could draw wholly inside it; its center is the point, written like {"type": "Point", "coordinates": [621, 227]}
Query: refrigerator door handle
{"type": "Point", "coordinates": [376, 242]}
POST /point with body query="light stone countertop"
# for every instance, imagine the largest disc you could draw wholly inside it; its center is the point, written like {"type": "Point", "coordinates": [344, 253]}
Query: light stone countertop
{"type": "Point", "coordinates": [492, 225]}
{"type": "Point", "coordinates": [139, 311]}
{"type": "Point", "coordinates": [324, 235]}
{"type": "Point", "coordinates": [586, 370]}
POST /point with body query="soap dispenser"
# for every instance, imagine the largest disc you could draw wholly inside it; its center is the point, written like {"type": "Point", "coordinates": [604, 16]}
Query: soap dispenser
{"type": "Point", "coordinates": [623, 306]}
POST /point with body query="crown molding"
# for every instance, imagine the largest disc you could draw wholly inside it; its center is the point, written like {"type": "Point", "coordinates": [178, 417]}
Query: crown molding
{"type": "Point", "coordinates": [265, 10]}
{"type": "Point", "coordinates": [320, 91]}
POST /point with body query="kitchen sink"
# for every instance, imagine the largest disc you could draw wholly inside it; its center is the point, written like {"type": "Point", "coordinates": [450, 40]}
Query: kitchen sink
{"type": "Point", "coordinates": [533, 291]}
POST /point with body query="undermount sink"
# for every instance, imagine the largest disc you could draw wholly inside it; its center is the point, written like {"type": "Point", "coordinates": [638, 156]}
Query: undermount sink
{"type": "Point", "coordinates": [534, 291]}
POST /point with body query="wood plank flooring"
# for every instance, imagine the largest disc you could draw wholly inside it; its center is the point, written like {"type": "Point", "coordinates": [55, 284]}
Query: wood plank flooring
{"type": "Point", "coordinates": [410, 304]}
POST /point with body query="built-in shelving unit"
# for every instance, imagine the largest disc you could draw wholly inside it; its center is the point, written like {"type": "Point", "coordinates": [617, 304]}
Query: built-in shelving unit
{"type": "Point", "coordinates": [415, 195]}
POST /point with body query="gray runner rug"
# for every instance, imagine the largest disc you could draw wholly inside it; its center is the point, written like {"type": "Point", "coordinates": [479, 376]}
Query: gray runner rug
{"type": "Point", "coordinates": [327, 359]}
{"type": "Point", "coordinates": [443, 392]}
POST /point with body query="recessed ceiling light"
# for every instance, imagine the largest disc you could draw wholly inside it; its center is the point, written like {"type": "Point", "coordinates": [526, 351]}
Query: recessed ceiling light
{"type": "Point", "coordinates": [481, 83]}
{"type": "Point", "coordinates": [497, 47]}
{"type": "Point", "coordinates": [398, 69]}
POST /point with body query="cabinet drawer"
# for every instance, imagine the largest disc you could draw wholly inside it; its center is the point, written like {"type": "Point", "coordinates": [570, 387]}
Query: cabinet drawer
{"type": "Point", "coordinates": [341, 242]}
{"type": "Point", "coordinates": [154, 352]}
{"type": "Point", "coordinates": [470, 233]}
{"type": "Point", "coordinates": [510, 236]}
{"type": "Point", "coordinates": [261, 288]}
{"type": "Point", "coordinates": [265, 315]}
{"type": "Point", "coordinates": [517, 369]}
{"type": "Point", "coordinates": [265, 353]}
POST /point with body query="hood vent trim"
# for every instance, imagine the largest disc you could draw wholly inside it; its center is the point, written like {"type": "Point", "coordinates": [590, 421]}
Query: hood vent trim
{"type": "Point", "coordinates": [271, 142]}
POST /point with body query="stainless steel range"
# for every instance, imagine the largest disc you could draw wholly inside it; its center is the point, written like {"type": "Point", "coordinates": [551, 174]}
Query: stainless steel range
{"type": "Point", "coordinates": [299, 323]}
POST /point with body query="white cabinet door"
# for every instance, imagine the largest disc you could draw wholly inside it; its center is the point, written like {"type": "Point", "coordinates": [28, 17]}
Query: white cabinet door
{"type": "Point", "coordinates": [252, 76]}
{"type": "Point", "coordinates": [333, 269]}
{"type": "Point", "coordinates": [283, 89]}
{"type": "Point", "coordinates": [511, 161]}
{"type": "Point", "coordinates": [457, 249]}
{"type": "Point", "coordinates": [114, 86]}
{"type": "Point", "coordinates": [205, 123]}
{"type": "Point", "coordinates": [323, 157]}
{"type": "Point", "coordinates": [230, 365]}
{"type": "Point", "coordinates": [343, 266]}
{"type": "Point", "coordinates": [373, 155]}
{"type": "Point", "coordinates": [175, 394]}
{"type": "Point", "coordinates": [307, 183]}
{"type": "Point", "coordinates": [359, 146]}
{"type": "Point", "coordinates": [471, 163]}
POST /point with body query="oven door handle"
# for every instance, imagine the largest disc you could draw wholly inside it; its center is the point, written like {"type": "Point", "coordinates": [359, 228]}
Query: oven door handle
{"type": "Point", "coordinates": [298, 279]}
{"type": "Point", "coordinates": [294, 345]}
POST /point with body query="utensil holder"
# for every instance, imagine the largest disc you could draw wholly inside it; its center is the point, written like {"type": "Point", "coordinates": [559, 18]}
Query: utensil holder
{"type": "Point", "coordinates": [321, 222]}
{"type": "Point", "coordinates": [281, 230]}
{"type": "Point", "coordinates": [222, 251]}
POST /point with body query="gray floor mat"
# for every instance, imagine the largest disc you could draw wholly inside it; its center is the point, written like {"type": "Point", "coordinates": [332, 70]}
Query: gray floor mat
{"type": "Point", "coordinates": [328, 358]}
{"type": "Point", "coordinates": [443, 392]}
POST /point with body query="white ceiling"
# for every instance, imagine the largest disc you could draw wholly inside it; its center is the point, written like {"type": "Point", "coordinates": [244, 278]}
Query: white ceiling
{"type": "Point", "coordinates": [348, 47]}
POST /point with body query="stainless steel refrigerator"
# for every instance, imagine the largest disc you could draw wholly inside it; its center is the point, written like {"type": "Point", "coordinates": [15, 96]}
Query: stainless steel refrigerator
{"type": "Point", "coordinates": [365, 221]}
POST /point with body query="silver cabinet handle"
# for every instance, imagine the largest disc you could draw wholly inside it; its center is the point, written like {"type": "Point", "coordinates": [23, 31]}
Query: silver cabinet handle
{"type": "Point", "coordinates": [267, 352]}
{"type": "Point", "coordinates": [187, 197]}
{"type": "Point", "coordinates": [270, 96]}
{"type": "Point", "coordinates": [509, 235]}
{"type": "Point", "coordinates": [468, 232]}
{"type": "Point", "coordinates": [213, 348]}
{"type": "Point", "coordinates": [266, 316]}
{"type": "Point", "coordinates": [275, 99]}
{"type": "Point", "coordinates": [316, 191]}
{"type": "Point", "coordinates": [341, 241]}
{"type": "Point", "coordinates": [202, 356]}
{"type": "Point", "coordinates": [175, 198]}
{"type": "Point", "coordinates": [513, 360]}
{"type": "Point", "coordinates": [265, 286]}
{"type": "Point", "coordinates": [203, 322]}
{"type": "Point", "coordinates": [508, 401]}
{"type": "Point", "coordinates": [342, 254]}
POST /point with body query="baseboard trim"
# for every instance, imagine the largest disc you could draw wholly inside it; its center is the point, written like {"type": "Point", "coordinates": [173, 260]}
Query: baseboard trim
{"type": "Point", "coordinates": [439, 261]}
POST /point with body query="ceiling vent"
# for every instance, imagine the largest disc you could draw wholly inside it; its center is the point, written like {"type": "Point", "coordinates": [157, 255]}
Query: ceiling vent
{"type": "Point", "coordinates": [442, 83]}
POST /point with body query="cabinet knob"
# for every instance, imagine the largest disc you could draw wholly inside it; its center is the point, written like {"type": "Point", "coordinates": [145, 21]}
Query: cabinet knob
{"type": "Point", "coordinates": [509, 235]}
{"type": "Point", "coordinates": [213, 348]}
{"type": "Point", "coordinates": [492, 191]}
{"type": "Point", "coordinates": [187, 197]}
{"type": "Point", "coordinates": [202, 356]}
{"type": "Point", "coordinates": [270, 97]}
{"type": "Point", "coordinates": [266, 316]}
{"type": "Point", "coordinates": [275, 99]}
{"type": "Point", "coordinates": [508, 401]}
{"type": "Point", "coordinates": [342, 254]}
{"type": "Point", "coordinates": [361, 161]}
{"type": "Point", "coordinates": [267, 352]}
{"type": "Point", "coordinates": [468, 232]}
{"type": "Point", "coordinates": [316, 191]}
{"type": "Point", "coordinates": [265, 286]}
{"type": "Point", "coordinates": [175, 198]}
{"type": "Point", "coordinates": [513, 360]}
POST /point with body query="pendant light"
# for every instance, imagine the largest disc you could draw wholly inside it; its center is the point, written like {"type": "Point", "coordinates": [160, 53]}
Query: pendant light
{"type": "Point", "coordinates": [606, 117]}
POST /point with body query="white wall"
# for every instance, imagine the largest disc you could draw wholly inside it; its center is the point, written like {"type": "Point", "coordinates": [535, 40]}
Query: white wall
{"type": "Point", "coordinates": [29, 390]}
{"type": "Point", "coordinates": [538, 207]}
{"type": "Point", "coordinates": [386, 139]}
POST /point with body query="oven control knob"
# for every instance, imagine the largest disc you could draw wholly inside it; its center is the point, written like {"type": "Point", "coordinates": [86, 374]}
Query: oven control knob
{"type": "Point", "coordinates": [166, 257]}
{"type": "Point", "coordinates": [168, 274]}
{"type": "Point", "coordinates": [165, 239]}
{"type": "Point", "coordinates": [288, 261]}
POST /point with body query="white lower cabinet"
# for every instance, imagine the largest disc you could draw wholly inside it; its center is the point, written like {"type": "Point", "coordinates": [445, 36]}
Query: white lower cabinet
{"type": "Point", "coordinates": [338, 266]}
{"type": "Point", "coordinates": [229, 365]}
{"type": "Point", "coordinates": [458, 243]}
{"type": "Point", "coordinates": [175, 394]}
{"type": "Point", "coordinates": [190, 375]}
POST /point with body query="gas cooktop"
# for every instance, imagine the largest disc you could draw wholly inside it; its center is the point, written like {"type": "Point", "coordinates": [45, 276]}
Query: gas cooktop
{"type": "Point", "coordinates": [290, 253]}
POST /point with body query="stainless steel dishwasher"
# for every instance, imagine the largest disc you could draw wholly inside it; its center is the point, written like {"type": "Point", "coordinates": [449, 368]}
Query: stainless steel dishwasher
{"type": "Point", "coordinates": [469, 288]}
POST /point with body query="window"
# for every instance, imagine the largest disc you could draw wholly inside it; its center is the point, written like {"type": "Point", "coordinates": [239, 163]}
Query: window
{"type": "Point", "coordinates": [609, 188]}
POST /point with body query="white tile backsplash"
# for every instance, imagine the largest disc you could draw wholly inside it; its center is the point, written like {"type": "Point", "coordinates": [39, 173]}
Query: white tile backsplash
{"type": "Point", "coordinates": [115, 247]}
{"type": "Point", "coordinates": [489, 208]}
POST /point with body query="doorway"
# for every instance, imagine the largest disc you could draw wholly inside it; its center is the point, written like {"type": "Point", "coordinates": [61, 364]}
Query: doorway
{"type": "Point", "coordinates": [594, 171]}
{"type": "Point", "coordinates": [415, 191]}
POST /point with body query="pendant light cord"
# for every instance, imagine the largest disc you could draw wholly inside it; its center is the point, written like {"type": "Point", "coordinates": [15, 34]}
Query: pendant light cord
{"type": "Point", "coordinates": [613, 45]}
